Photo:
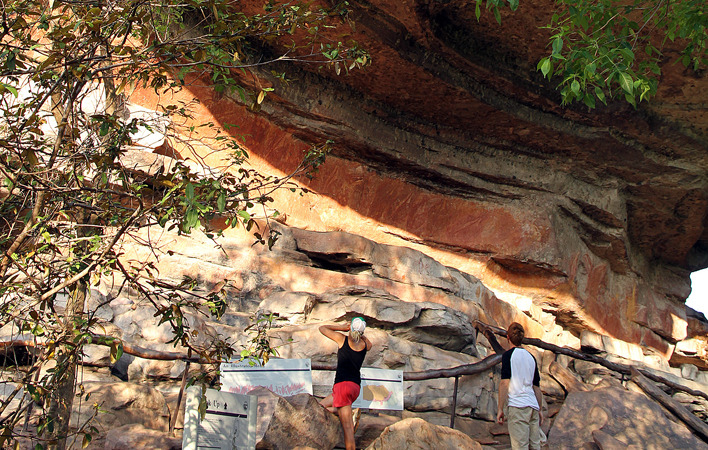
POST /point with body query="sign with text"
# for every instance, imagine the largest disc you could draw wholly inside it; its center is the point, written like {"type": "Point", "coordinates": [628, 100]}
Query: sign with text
{"type": "Point", "coordinates": [284, 377]}
{"type": "Point", "coordinates": [380, 389]}
{"type": "Point", "coordinates": [229, 422]}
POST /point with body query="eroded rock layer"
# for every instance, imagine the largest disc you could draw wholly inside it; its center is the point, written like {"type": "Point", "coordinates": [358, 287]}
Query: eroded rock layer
{"type": "Point", "coordinates": [451, 143]}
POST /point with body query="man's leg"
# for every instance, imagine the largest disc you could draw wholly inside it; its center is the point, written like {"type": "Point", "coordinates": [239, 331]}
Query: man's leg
{"type": "Point", "coordinates": [534, 431]}
{"type": "Point", "coordinates": [345, 417]}
{"type": "Point", "coordinates": [518, 422]}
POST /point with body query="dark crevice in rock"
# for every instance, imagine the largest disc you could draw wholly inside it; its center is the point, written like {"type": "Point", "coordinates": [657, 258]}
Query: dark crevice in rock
{"type": "Point", "coordinates": [19, 356]}
{"type": "Point", "coordinates": [442, 245]}
{"type": "Point", "coordinates": [497, 180]}
{"type": "Point", "coordinates": [598, 214]}
{"type": "Point", "coordinates": [338, 262]}
{"type": "Point", "coordinates": [527, 266]}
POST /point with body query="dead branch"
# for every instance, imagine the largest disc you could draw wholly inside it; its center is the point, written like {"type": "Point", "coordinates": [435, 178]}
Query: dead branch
{"type": "Point", "coordinates": [128, 348]}
{"type": "Point", "coordinates": [488, 333]}
{"type": "Point", "coordinates": [467, 369]}
{"type": "Point", "coordinates": [672, 405]}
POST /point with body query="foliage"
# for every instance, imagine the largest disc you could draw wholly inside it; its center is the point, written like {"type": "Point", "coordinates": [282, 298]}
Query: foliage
{"type": "Point", "coordinates": [67, 199]}
{"type": "Point", "coordinates": [606, 48]}
{"type": "Point", "coordinates": [259, 349]}
{"type": "Point", "coordinates": [602, 49]}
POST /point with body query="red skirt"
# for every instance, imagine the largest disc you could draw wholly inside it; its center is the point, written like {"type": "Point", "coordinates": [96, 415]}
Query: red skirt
{"type": "Point", "coordinates": [344, 393]}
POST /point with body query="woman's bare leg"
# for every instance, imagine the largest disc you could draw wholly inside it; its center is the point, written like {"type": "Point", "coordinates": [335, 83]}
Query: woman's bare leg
{"type": "Point", "coordinates": [345, 417]}
{"type": "Point", "coordinates": [327, 403]}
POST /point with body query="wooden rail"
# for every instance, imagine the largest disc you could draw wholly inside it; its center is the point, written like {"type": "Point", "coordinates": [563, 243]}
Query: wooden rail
{"type": "Point", "coordinates": [453, 372]}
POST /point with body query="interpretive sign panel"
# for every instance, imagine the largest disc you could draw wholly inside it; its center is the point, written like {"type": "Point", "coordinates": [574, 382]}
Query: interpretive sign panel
{"type": "Point", "coordinates": [284, 377]}
{"type": "Point", "coordinates": [380, 389]}
{"type": "Point", "coordinates": [229, 422]}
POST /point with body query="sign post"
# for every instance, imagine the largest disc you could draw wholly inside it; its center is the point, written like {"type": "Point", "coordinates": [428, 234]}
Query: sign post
{"type": "Point", "coordinates": [380, 389]}
{"type": "Point", "coordinates": [284, 377]}
{"type": "Point", "coordinates": [229, 422]}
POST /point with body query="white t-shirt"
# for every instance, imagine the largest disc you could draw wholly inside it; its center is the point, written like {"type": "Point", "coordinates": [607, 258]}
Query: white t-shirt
{"type": "Point", "coordinates": [520, 368]}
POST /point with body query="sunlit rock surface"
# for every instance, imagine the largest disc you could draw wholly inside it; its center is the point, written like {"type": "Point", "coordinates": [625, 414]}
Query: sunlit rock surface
{"type": "Point", "coordinates": [452, 144]}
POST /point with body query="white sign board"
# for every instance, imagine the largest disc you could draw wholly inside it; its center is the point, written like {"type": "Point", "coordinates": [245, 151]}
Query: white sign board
{"type": "Point", "coordinates": [284, 377]}
{"type": "Point", "coordinates": [380, 389]}
{"type": "Point", "coordinates": [229, 423]}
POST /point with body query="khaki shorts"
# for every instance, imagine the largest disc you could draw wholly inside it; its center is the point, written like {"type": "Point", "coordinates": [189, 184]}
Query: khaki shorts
{"type": "Point", "coordinates": [524, 429]}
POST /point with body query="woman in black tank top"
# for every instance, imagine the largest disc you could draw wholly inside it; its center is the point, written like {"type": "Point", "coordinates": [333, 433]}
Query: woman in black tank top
{"type": "Point", "coordinates": [347, 381]}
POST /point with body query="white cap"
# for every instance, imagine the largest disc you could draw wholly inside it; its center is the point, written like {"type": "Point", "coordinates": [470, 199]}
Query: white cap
{"type": "Point", "coordinates": [358, 324]}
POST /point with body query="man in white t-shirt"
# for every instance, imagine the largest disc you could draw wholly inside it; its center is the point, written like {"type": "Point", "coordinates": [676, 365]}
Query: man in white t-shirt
{"type": "Point", "coordinates": [520, 386]}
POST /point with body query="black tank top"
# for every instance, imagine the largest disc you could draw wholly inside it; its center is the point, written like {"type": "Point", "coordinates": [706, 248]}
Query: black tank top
{"type": "Point", "coordinates": [349, 363]}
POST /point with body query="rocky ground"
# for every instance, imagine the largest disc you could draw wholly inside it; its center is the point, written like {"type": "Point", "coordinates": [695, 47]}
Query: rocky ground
{"type": "Point", "coordinates": [421, 316]}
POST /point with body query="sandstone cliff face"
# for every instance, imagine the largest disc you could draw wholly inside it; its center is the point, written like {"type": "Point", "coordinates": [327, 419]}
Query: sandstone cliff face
{"type": "Point", "coordinates": [421, 315]}
{"type": "Point", "coordinates": [453, 145]}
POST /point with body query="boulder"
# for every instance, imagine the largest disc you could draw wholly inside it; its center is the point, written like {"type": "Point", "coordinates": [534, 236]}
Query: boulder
{"type": "Point", "coordinates": [591, 342]}
{"type": "Point", "coordinates": [122, 403]}
{"type": "Point", "coordinates": [136, 436]}
{"type": "Point", "coordinates": [626, 416]}
{"type": "Point", "coordinates": [353, 253]}
{"type": "Point", "coordinates": [289, 422]}
{"type": "Point", "coordinates": [371, 303]}
{"type": "Point", "coordinates": [417, 434]}
{"type": "Point", "coordinates": [424, 322]}
{"type": "Point", "coordinates": [293, 306]}
{"type": "Point", "coordinates": [442, 327]}
{"type": "Point", "coordinates": [479, 430]}
{"type": "Point", "coordinates": [697, 323]}
{"type": "Point", "coordinates": [566, 378]}
{"type": "Point", "coordinates": [607, 442]}
{"type": "Point", "coordinates": [371, 424]}
{"type": "Point", "coordinates": [689, 371]}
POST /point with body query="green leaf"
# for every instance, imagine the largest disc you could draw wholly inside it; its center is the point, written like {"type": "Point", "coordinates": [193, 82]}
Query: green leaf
{"type": "Point", "coordinates": [11, 62]}
{"type": "Point", "coordinates": [478, 10]}
{"type": "Point", "coordinates": [630, 99]}
{"type": "Point", "coordinates": [628, 55]}
{"type": "Point", "coordinates": [557, 45]}
{"type": "Point", "coordinates": [86, 441]}
{"type": "Point", "coordinates": [600, 95]}
{"type": "Point", "coordinates": [244, 215]}
{"type": "Point", "coordinates": [191, 219]}
{"type": "Point", "coordinates": [589, 100]}
{"type": "Point", "coordinates": [12, 89]}
{"type": "Point", "coordinates": [221, 202]}
{"type": "Point", "coordinates": [545, 66]}
{"type": "Point", "coordinates": [513, 4]}
{"type": "Point", "coordinates": [626, 83]}
{"type": "Point", "coordinates": [575, 87]}
{"type": "Point", "coordinates": [497, 16]}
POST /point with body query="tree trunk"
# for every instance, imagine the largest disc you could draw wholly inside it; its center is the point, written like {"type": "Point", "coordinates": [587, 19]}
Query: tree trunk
{"type": "Point", "coordinates": [68, 353]}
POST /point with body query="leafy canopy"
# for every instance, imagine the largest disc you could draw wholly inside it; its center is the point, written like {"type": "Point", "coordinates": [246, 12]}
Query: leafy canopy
{"type": "Point", "coordinates": [602, 49]}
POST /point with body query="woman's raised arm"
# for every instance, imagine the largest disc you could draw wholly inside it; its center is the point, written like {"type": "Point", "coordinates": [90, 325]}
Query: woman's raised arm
{"type": "Point", "coordinates": [331, 331]}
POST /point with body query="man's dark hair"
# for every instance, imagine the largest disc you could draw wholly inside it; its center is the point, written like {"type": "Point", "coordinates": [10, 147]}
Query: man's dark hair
{"type": "Point", "coordinates": [515, 333]}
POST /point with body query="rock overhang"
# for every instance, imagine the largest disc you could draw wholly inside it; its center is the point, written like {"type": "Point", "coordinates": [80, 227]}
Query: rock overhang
{"type": "Point", "coordinates": [453, 143]}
